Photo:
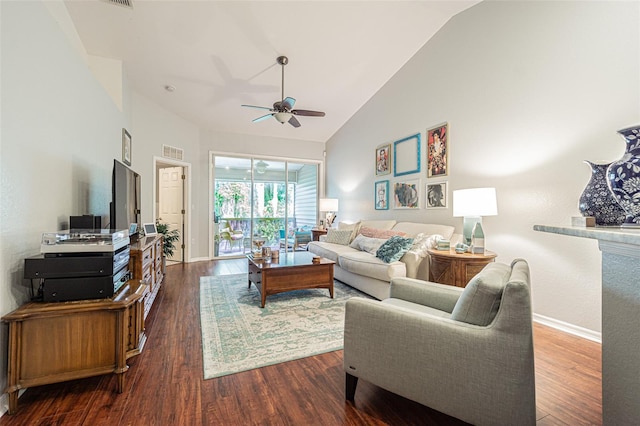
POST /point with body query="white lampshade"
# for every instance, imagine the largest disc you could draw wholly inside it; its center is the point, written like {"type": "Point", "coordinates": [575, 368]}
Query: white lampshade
{"type": "Point", "coordinates": [282, 117]}
{"type": "Point", "coordinates": [328, 205]}
{"type": "Point", "coordinates": [475, 202]}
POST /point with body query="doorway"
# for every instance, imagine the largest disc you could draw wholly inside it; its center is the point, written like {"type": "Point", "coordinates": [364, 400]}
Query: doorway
{"type": "Point", "coordinates": [171, 200]}
{"type": "Point", "coordinates": [273, 201]}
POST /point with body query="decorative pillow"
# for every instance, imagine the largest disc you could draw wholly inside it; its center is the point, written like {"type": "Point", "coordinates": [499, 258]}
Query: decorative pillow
{"type": "Point", "coordinates": [370, 245]}
{"type": "Point", "coordinates": [379, 233]}
{"type": "Point", "coordinates": [353, 227]}
{"type": "Point", "coordinates": [337, 236]}
{"type": "Point", "coordinates": [394, 248]}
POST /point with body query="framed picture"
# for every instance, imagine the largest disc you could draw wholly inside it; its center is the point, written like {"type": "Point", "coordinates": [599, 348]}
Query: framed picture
{"type": "Point", "coordinates": [383, 160]}
{"type": "Point", "coordinates": [406, 195]}
{"type": "Point", "coordinates": [406, 155]}
{"type": "Point", "coordinates": [438, 150]}
{"type": "Point", "coordinates": [126, 147]}
{"type": "Point", "coordinates": [381, 195]}
{"type": "Point", "coordinates": [437, 195]}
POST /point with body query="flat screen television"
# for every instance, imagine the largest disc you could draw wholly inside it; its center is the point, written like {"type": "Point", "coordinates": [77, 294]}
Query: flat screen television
{"type": "Point", "coordinates": [125, 198]}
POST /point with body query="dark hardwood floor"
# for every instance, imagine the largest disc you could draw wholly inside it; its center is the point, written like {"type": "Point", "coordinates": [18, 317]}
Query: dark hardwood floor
{"type": "Point", "coordinates": [164, 384]}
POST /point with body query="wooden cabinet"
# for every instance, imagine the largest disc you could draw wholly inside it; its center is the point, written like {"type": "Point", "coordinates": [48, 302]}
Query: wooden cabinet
{"type": "Point", "coordinates": [146, 264]}
{"type": "Point", "coordinates": [56, 342]}
{"type": "Point", "coordinates": [457, 269]}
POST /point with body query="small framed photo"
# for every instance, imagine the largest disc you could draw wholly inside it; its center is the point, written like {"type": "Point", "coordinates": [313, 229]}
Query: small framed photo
{"type": "Point", "coordinates": [383, 160]}
{"type": "Point", "coordinates": [438, 150]}
{"type": "Point", "coordinates": [406, 195]}
{"type": "Point", "coordinates": [437, 195]}
{"type": "Point", "coordinates": [406, 155]}
{"type": "Point", "coordinates": [381, 195]}
{"type": "Point", "coordinates": [126, 147]}
{"type": "Point", "coordinates": [150, 229]}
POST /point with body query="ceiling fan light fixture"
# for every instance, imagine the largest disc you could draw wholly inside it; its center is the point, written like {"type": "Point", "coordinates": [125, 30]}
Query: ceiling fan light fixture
{"type": "Point", "coordinates": [283, 117]}
{"type": "Point", "coordinates": [261, 167]}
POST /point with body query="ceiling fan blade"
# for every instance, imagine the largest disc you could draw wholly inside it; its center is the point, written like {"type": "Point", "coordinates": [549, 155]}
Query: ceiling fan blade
{"type": "Point", "coordinates": [288, 103]}
{"type": "Point", "coordinates": [264, 117]}
{"type": "Point", "coordinates": [294, 121]}
{"type": "Point", "coordinates": [308, 113]}
{"type": "Point", "coordinates": [255, 106]}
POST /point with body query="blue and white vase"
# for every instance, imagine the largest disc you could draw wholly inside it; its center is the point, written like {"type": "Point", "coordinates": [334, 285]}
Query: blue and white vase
{"type": "Point", "coordinates": [598, 201]}
{"type": "Point", "coordinates": [624, 177]}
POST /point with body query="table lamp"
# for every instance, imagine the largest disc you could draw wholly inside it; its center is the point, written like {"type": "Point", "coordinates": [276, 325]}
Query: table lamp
{"type": "Point", "coordinates": [330, 206]}
{"type": "Point", "coordinates": [472, 204]}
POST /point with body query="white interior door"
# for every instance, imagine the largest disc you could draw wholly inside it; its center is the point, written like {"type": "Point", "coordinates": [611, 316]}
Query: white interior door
{"type": "Point", "coordinates": [171, 204]}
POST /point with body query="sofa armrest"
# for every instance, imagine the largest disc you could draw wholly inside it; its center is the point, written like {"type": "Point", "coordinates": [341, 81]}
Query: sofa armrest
{"type": "Point", "coordinates": [438, 296]}
{"type": "Point", "coordinates": [417, 265]}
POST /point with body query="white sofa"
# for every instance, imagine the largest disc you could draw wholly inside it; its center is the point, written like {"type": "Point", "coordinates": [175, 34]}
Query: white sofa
{"type": "Point", "coordinates": [367, 273]}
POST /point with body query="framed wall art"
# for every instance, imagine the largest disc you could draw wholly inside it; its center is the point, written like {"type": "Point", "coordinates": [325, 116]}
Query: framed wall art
{"type": "Point", "coordinates": [438, 150]}
{"type": "Point", "coordinates": [383, 160]}
{"type": "Point", "coordinates": [406, 195]}
{"type": "Point", "coordinates": [406, 155]}
{"type": "Point", "coordinates": [437, 195]}
{"type": "Point", "coordinates": [126, 147]}
{"type": "Point", "coordinates": [381, 195]}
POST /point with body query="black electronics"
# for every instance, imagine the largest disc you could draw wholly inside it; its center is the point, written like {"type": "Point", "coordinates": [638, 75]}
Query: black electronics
{"type": "Point", "coordinates": [87, 221]}
{"type": "Point", "coordinates": [79, 265]}
{"type": "Point", "coordinates": [125, 198]}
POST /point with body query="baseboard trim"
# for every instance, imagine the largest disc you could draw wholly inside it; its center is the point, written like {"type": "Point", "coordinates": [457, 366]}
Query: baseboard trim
{"type": "Point", "coordinates": [585, 333]}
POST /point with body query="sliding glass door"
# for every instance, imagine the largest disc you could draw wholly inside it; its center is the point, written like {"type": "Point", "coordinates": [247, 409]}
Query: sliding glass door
{"type": "Point", "coordinates": [261, 199]}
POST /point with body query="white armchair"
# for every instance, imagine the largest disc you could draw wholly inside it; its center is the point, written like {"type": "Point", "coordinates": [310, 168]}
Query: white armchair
{"type": "Point", "coordinates": [465, 352]}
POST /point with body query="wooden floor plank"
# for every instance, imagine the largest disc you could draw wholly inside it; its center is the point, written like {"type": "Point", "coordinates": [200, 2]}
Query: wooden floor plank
{"type": "Point", "coordinates": [165, 385]}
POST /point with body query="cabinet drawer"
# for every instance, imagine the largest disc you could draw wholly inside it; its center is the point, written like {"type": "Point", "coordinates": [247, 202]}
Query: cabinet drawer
{"type": "Point", "coordinates": [147, 257]}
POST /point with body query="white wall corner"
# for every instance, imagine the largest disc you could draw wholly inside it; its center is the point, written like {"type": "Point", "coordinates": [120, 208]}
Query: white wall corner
{"type": "Point", "coordinates": [108, 72]}
{"type": "Point", "coordinates": [59, 12]}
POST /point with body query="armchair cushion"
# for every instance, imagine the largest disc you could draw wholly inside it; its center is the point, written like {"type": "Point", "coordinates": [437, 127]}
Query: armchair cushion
{"type": "Point", "coordinates": [480, 299]}
{"type": "Point", "coordinates": [417, 292]}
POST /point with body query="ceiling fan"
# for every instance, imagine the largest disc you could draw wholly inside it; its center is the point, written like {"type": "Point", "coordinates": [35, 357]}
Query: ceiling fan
{"type": "Point", "coordinates": [283, 110]}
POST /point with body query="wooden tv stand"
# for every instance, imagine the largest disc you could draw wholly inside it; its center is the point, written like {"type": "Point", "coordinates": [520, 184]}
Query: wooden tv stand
{"type": "Point", "coordinates": [56, 342]}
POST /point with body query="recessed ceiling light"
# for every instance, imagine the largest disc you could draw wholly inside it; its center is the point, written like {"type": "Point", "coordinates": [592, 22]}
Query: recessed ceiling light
{"type": "Point", "coordinates": [169, 88]}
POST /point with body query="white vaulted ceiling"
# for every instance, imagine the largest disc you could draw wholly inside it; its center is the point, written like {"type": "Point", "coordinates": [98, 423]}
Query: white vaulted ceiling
{"type": "Point", "coordinates": [221, 54]}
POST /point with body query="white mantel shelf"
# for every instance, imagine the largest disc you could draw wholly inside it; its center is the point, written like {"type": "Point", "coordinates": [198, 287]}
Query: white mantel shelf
{"type": "Point", "coordinates": [620, 249]}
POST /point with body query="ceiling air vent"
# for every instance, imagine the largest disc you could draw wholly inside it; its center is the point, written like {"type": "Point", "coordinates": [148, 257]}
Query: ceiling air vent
{"type": "Point", "coordinates": [172, 152]}
{"type": "Point", "coordinates": [123, 3]}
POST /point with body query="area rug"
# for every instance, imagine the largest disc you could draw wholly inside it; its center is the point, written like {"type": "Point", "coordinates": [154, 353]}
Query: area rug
{"type": "Point", "coordinates": [238, 335]}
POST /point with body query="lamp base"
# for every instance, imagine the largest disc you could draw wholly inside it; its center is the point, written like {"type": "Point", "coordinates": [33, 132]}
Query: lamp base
{"type": "Point", "coordinates": [467, 227]}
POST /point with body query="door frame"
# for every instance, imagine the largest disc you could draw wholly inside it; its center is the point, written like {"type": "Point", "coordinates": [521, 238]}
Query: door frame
{"type": "Point", "coordinates": [160, 162]}
{"type": "Point", "coordinates": [212, 154]}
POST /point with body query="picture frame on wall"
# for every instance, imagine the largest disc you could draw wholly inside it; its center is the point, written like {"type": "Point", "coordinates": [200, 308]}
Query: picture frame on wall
{"type": "Point", "coordinates": [438, 150]}
{"type": "Point", "coordinates": [383, 160]}
{"type": "Point", "coordinates": [406, 155]}
{"type": "Point", "coordinates": [406, 194]}
{"type": "Point", "coordinates": [381, 195]}
{"type": "Point", "coordinates": [437, 196]}
{"type": "Point", "coordinates": [126, 147]}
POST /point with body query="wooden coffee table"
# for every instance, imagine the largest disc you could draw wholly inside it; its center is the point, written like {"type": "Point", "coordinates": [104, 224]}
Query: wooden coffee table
{"type": "Point", "coordinates": [293, 271]}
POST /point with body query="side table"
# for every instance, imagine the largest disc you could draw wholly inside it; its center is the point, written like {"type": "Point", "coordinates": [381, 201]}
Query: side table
{"type": "Point", "coordinates": [457, 269]}
{"type": "Point", "coordinates": [315, 234]}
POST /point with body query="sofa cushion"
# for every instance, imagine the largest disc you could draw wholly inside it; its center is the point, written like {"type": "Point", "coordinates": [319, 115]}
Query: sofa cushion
{"type": "Point", "coordinates": [379, 233]}
{"type": "Point", "coordinates": [479, 302]}
{"type": "Point", "coordinates": [329, 251]}
{"type": "Point", "coordinates": [337, 236]}
{"type": "Point", "coordinates": [378, 224]}
{"type": "Point", "coordinates": [362, 263]}
{"type": "Point", "coordinates": [412, 229]}
{"type": "Point", "coordinates": [394, 248]}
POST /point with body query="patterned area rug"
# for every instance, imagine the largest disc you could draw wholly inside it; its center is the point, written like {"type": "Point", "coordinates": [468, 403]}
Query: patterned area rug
{"type": "Point", "coordinates": [238, 335]}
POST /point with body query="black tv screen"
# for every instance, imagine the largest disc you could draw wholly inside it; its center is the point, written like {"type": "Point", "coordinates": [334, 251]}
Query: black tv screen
{"type": "Point", "coordinates": [125, 201]}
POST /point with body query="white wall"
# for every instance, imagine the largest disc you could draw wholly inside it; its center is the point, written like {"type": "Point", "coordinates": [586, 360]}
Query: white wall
{"type": "Point", "coordinates": [529, 89]}
{"type": "Point", "coordinates": [59, 134]}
